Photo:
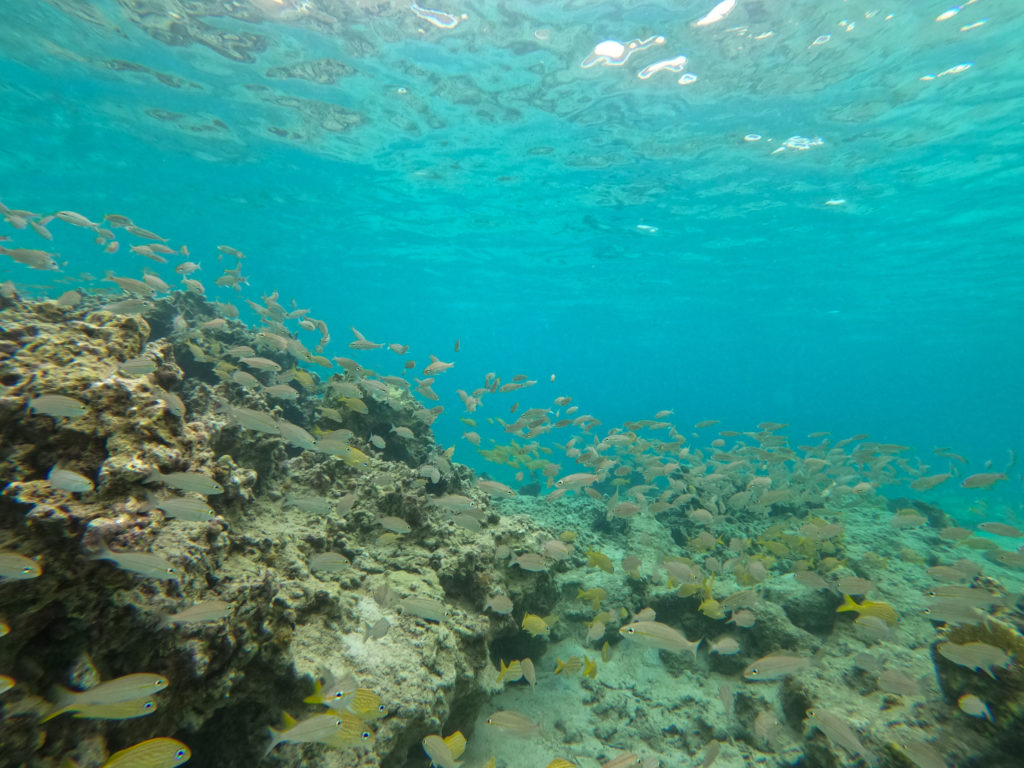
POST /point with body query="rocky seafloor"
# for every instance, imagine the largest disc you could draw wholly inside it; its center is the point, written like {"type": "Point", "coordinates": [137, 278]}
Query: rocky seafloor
{"type": "Point", "coordinates": [286, 500]}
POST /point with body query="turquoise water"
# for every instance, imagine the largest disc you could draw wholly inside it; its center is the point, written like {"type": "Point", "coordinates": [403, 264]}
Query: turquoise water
{"type": "Point", "coordinates": [816, 221]}
{"type": "Point", "coordinates": [477, 183]}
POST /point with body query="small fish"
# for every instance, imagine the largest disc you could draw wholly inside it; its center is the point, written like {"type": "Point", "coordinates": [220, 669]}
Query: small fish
{"type": "Point", "coordinates": [531, 561]}
{"type": "Point", "coordinates": [894, 681]}
{"type": "Point", "coordinates": [332, 690]}
{"type": "Point", "coordinates": [195, 482]}
{"type": "Point", "coordinates": [137, 366]}
{"type": "Point", "coordinates": [295, 435]}
{"type": "Point", "coordinates": [975, 655]}
{"type": "Point", "coordinates": [128, 710]}
{"type": "Point", "coordinates": [774, 667]}
{"type": "Point", "coordinates": [141, 563]}
{"type": "Point", "coordinates": [72, 482]}
{"type": "Point", "coordinates": [378, 630]}
{"type": "Point", "coordinates": [181, 507]}
{"type": "Point", "coordinates": [854, 585]}
{"type": "Point", "coordinates": [838, 732]}
{"type": "Point", "coordinates": [134, 687]}
{"type": "Point", "coordinates": [394, 524]}
{"type": "Point", "coordinates": [494, 488]}
{"type": "Point", "coordinates": [882, 610]}
{"type": "Point", "coordinates": [362, 702]}
{"type": "Point", "coordinates": [982, 480]}
{"type": "Point", "coordinates": [744, 619]}
{"type": "Point", "coordinates": [594, 595]}
{"type": "Point", "coordinates": [335, 729]}
{"type": "Point", "coordinates": [201, 613]}
{"type": "Point", "coordinates": [499, 604]}
{"type": "Point", "coordinates": [589, 667]}
{"type": "Point", "coordinates": [654, 634]}
{"type": "Point", "coordinates": [570, 667]}
{"type": "Point", "coordinates": [974, 706]}
{"type": "Point", "coordinates": [17, 567]}
{"type": "Point", "coordinates": [599, 560]}
{"type": "Point", "coordinates": [58, 406]}
{"type": "Point", "coordinates": [1001, 529]}
{"type": "Point", "coordinates": [725, 646]}
{"type": "Point", "coordinates": [529, 672]}
{"type": "Point", "coordinates": [439, 752]}
{"type": "Point", "coordinates": [513, 723]}
{"type": "Point", "coordinates": [513, 672]}
{"type": "Point", "coordinates": [425, 608]}
{"type": "Point", "coordinates": [535, 625]}
{"type": "Point", "coordinates": [249, 418]}
{"type": "Point", "coordinates": [152, 753]}
{"type": "Point", "coordinates": [329, 562]}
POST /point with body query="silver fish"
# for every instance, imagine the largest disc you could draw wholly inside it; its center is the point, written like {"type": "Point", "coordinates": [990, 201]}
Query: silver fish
{"type": "Point", "coordinates": [329, 562]}
{"type": "Point", "coordinates": [200, 613]}
{"type": "Point", "coordinates": [425, 608]}
{"type": "Point", "coordinates": [141, 563]}
{"type": "Point", "coordinates": [69, 481]}
{"type": "Point", "coordinates": [17, 567]}
{"type": "Point", "coordinates": [182, 508]}
{"type": "Point", "coordinates": [196, 482]}
{"type": "Point", "coordinates": [58, 406]}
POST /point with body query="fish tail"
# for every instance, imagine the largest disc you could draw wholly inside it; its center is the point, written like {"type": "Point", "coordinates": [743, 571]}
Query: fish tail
{"type": "Point", "coordinates": [275, 739]}
{"type": "Point", "coordinates": [559, 667]}
{"type": "Point", "coordinates": [154, 476]}
{"type": "Point", "coordinates": [64, 702]}
{"type": "Point", "coordinates": [848, 605]}
{"type": "Point", "coordinates": [317, 695]}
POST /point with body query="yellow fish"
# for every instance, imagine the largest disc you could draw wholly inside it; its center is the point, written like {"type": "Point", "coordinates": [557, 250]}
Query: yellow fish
{"type": "Point", "coordinates": [152, 753]}
{"type": "Point", "coordinates": [874, 608]}
{"type": "Point", "coordinates": [353, 456]}
{"type": "Point", "coordinates": [589, 667]}
{"type": "Point", "coordinates": [559, 762]}
{"type": "Point", "coordinates": [456, 744]}
{"type": "Point", "coordinates": [599, 560]}
{"type": "Point", "coordinates": [595, 596]}
{"type": "Point", "coordinates": [535, 625]}
{"type": "Point", "coordinates": [514, 671]}
{"type": "Point", "coordinates": [712, 609]}
{"type": "Point", "coordinates": [363, 703]}
{"type": "Point", "coordinates": [570, 667]}
{"type": "Point", "coordinates": [568, 536]}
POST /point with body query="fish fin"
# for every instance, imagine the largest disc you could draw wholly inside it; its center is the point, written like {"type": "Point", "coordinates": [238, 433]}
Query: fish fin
{"type": "Point", "coordinates": [275, 739]}
{"type": "Point", "coordinates": [316, 697]}
{"type": "Point", "coordinates": [289, 721]}
{"type": "Point", "coordinates": [154, 476]}
{"type": "Point", "coordinates": [559, 667]}
{"type": "Point", "coordinates": [848, 605]}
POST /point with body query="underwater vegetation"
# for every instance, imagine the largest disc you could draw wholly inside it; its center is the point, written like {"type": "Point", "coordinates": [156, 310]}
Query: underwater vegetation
{"type": "Point", "coordinates": [223, 544]}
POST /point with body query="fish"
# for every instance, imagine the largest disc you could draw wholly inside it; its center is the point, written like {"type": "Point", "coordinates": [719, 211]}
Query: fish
{"type": "Point", "coordinates": [133, 687]}
{"type": "Point", "coordinates": [425, 608]}
{"type": "Point", "coordinates": [725, 646]}
{"type": "Point", "coordinates": [529, 672]}
{"type": "Point", "coordinates": [838, 732]}
{"type": "Point", "coordinates": [599, 560]}
{"type": "Point", "coordinates": [334, 729]}
{"type": "Point", "coordinates": [854, 585]}
{"type": "Point", "coordinates": [494, 488]}
{"type": "Point", "coordinates": [982, 480]}
{"type": "Point", "coordinates": [18, 567]}
{"type": "Point", "coordinates": [514, 723]}
{"type": "Point", "coordinates": [58, 406]}
{"type": "Point", "coordinates": [654, 634]}
{"type": "Point", "coordinates": [249, 418]}
{"type": "Point", "coordinates": [921, 753]}
{"type": "Point", "coordinates": [203, 612]}
{"type": "Point", "coordinates": [743, 618]}
{"type": "Point", "coordinates": [972, 705]}
{"type": "Point", "coordinates": [439, 752]}
{"type": "Point", "coordinates": [1001, 529]}
{"type": "Point", "coordinates": [594, 595]}
{"type": "Point", "coordinates": [500, 604]}
{"type": "Point", "coordinates": [589, 667]}
{"type": "Point", "coordinates": [882, 610]}
{"type": "Point", "coordinates": [894, 681]}
{"type": "Point", "coordinates": [570, 667]}
{"type": "Point", "coordinates": [32, 258]}
{"type": "Point", "coordinates": [535, 625]}
{"type": "Point", "coordinates": [362, 702]}
{"type": "Point", "coordinates": [975, 655]}
{"type": "Point", "coordinates": [394, 524]}
{"type": "Point", "coordinates": [621, 761]}
{"type": "Point", "coordinates": [378, 630]}
{"type": "Point", "coordinates": [775, 666]}
{"type": "Point", "coordinates": [513, 672]}
{"type": "Point", "coordinates": [312, 504]}
{"type": "Point", "coordinates": [332, 690]}
{"type": "Point", "coordinates": [140, 563]}
{"type": "Point", "coordinates": [296, 435]}
{"type": "Point", "coordinates": [329, 562]}
{"type": "Point", "coordinates": [530, 561]}
{"type": "Point", "coordinates": [181, 507]}
{"type": "Point", "coordinates": [153, 753]}
{"type": "Point", "coordinates": [66, 480]}
{"type": "Point", "coordinates": [128, 710]}
{"type": "Point", "coordinates": [195, 482]}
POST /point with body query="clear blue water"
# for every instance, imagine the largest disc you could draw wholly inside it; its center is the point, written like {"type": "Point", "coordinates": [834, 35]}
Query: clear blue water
{"type": "Point", "coordinates": [477, 183]}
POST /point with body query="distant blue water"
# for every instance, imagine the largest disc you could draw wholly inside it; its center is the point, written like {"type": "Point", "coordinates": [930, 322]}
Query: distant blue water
{"type": "Point", "coordinates": [491, 190]}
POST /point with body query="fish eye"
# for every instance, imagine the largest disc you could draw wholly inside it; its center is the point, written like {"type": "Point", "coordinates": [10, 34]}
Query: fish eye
{"type": "Point", "coordinates": [339, 722]}
{"type": "Point", "coordinates": [364, 735]}
{"type": "Point", "coordinates": [631, 630]}
{"type": "Point", "coordinates": [26, 570]}
{"type": "Point", "coordinates": [382, 709]}
{"type": "Point", "coordinates": [179, 754]}
{"type": "Point", "coordinates": [755, 671]}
